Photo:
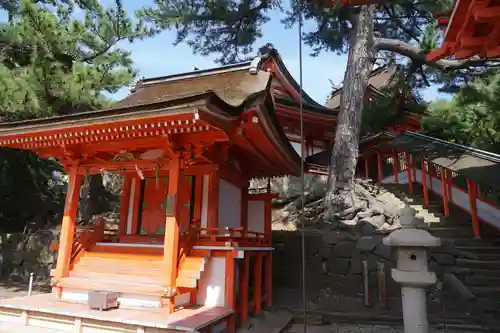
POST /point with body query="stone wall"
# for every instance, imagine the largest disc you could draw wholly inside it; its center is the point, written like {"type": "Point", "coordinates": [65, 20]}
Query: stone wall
{"type": "Point", "coordinates": [334, 271]}
{"type": "Point", "coordinates": [22, 254]}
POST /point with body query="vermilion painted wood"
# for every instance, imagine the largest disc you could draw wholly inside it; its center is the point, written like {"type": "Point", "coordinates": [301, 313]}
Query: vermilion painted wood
{"type": "Point", "coordinates": [68, 224]}
{"type": "Point", "coordinates": [257, 287]}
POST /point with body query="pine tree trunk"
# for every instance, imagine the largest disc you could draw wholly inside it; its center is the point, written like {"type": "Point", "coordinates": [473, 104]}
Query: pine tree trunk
{"type": "Point", "coordinates": [340, 193]}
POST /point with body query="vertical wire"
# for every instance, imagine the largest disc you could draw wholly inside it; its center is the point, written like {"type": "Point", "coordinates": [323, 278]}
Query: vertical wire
{"type": "Point", "coordinates": [302, 180]}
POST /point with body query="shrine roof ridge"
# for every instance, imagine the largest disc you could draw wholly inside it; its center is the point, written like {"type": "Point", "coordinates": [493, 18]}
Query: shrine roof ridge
{"type": "Point", "coordinates": [196, 73]}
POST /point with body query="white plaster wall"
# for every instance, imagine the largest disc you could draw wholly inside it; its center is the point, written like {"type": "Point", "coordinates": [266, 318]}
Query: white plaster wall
{"type": "Point", "coordinates": [256, 216]}
{"type": "Point", "coordinates": [211, 291]}
{"type": "Point", "coordinates": [204, 201]}
{"type": "Point", "coordinates": [296, 146]}
{"type": "Point", "coordinates": [229, 205]}
{"type": "Point", "coordinates": [485, 211]}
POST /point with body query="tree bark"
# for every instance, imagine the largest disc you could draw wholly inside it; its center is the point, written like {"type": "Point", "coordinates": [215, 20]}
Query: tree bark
{"type": "Point", "coordinates": [340, 192]}
{"type": "Point", "coordinates": [93, 199]}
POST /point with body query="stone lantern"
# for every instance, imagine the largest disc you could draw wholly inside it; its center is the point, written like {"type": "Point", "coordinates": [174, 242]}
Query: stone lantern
{"type": "Point", "coordinates": [412, 272]}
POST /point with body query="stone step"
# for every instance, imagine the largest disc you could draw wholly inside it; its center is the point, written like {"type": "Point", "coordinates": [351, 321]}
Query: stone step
{"type": "Point", "coordinates": [489, 256]}
{"type": "Point", "coordinates": [480, 248]}
{"type": "Point", "coordinates": [482, 281]}
{"type": "Point", "coordinates": [463, 272]}
{"type": "Point", "coordinates": [485, 264]}
{"type": "Point", "coordinates": [487, 291]}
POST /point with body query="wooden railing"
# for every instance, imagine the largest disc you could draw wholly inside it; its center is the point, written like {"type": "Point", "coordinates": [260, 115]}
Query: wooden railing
{"type": "Point", "coordinates": [227, 234]}
{"type": "Point", "coordinates": [187, 240]}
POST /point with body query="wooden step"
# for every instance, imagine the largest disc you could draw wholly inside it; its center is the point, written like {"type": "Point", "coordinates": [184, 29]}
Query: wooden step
{"type": "Point", "coordinates": [195, 260]}
{"type": "Point", "coordinates": [121, 287]}
{"type": "Point", "coordinates": [192, 266]}
{"type": "Point", "coordinates": [128, 250]}
{"type": "Point", "coordinates": [113, 255]}
{"type": "Point", "coordinates": [114, 269]}
{"type": "Point", "coordinates": [117, 277]}
{"type": "Point", "coordinates": [190, 274]}
{"type": "Point", "coordinates": [121, 262]}
{"type": "Point", "coordinates": [186, 282]}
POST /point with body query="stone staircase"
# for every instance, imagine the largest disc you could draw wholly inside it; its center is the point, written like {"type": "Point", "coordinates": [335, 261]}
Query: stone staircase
{"type": "Point", "coordinates": [469, 269]}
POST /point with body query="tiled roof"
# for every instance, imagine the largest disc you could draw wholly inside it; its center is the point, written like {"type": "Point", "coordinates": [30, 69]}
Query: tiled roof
{"type": "Point", "coordinates": [232, 85]}
{"type": "Point", "coordinates": [378, 80]}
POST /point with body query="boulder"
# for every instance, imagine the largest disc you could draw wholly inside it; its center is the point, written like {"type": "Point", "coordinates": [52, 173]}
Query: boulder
{"type": "Point", "coordinates": [344, 250]}
{"type": "Point", "coordinates": [383, 251]}
{"type": "Point", "coordinates": [338, 265]}
{"type": "Point", "coordinates": [368, 243]}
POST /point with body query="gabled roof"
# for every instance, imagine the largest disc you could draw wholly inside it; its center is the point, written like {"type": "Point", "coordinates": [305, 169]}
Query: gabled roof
{"type": "Point", "coordinates": [233, 84]}
{"type": "Point", "coordinates": [481, 166]}
{"type": "Point", "coordinates": [241, 105]}
{"type": "Point", "coordinates": [380, 78]}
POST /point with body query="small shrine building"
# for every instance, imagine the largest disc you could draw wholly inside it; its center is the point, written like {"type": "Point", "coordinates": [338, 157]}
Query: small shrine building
{"type": "Point", "coordinates": [193, 251]}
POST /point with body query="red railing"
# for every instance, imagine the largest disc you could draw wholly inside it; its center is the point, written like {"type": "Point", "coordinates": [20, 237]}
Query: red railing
{"type": "Point", "coordinates": [226, 234]}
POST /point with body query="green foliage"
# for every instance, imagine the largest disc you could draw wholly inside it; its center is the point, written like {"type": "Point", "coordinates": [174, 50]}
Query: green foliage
{"type": "Point", "coordinates": [231, 27]}
{"type": "Point", "coordinates": [56, 58]}
{"type": "Point", "coordinates": [471, 118]}
{"type": "Point", "coordinates": [54, 62]}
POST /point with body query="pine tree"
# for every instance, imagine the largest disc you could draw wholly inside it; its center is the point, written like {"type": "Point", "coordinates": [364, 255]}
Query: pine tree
{"type": "Point", "coordinates": [229, 28]}
{"type": "Point", "coordinates": [57, 57]}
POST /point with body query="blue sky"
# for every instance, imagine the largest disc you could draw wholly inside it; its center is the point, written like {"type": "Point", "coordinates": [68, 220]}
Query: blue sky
{"type": "Point", "coordinates": [157, 57]}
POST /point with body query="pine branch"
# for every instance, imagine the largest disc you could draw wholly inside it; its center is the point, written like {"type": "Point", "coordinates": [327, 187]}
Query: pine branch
{"type": "Point", "coordinates": [418, 55]}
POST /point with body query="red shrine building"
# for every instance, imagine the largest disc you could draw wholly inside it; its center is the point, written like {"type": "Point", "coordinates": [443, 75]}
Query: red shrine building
{"type": "Point", "coordinates": [470, 29]}
{"type": "Point", "coordinates": [193, 249]}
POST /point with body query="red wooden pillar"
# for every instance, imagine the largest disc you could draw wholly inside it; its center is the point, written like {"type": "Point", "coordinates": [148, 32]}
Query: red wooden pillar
{"type": "Point", "coordinates": [395, 156]}
{"type": "Point", "coordinates": [471, 189]}
{"type": "Point", "coordinates": [244, 280]}
{"type": "Point", "coordinates": [414, 163]}
{"type": "Point", "coordinates": [171, 241]}
{"type": "Point", "coordinates": [379, 167]}
{"type": "Point", "coordinates": [230, 290]}
{"type": "Point", "coordinates": [124, 203]}
{"type": "Point", "coordinates": [367, 168]}
{"type": "Point", "coordinates": [408, 171]}
{"type": "Point", "coordinates": [257, 289]}
{"type": "Point", "coordinates": [213, 199]}
{"type": "Point", "coordinates": [449, 181]}
{"type": "Point", "coordinates": [424, 184]}
{"type": "Point", "coordinates": [444, 190]}
{"type": "Point", "coordinates": [268, 279]}
{"type": "Point", "coordinates": [68, 224]}
{"type": "Point", "coordinates": [430, 173]}
{"type": "Point", "coordinates": [198, 196]}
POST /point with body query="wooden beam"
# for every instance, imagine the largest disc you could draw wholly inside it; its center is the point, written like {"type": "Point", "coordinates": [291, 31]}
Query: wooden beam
{"type": "Point", "coordinates": [124, 203]}
{"type": "Point", "coordinates": [244, 284]}
{"type": "Point", "coordinates": [213, 199]}
{"type": "Point", "coordinates": [444, 194]}
{"type": "Point", "coordinates": [449, 181]}
{"type": "Point", "coordinates": [68, 224]}
{"type": "Point", "coordinates": [268, 280]}
{"type": "Point", "coordinates": [230, 290]}
{"type": "Point", "coordinates": [395, 156]}
{"type": "Point", "coordinates": [198, 196]}
{"type": "Point", "coordinates": [171, 241]}
{"type": "Point", "coordinates": [257, 280]}
{"type": "Point", "coordinates": [379, 167]}
{"type": "Point", "coordinates": [424, 183]}
{"type": "Point", "coordinates": [408, 171]}
{"type": "Point", "coordinates": [471, 189]}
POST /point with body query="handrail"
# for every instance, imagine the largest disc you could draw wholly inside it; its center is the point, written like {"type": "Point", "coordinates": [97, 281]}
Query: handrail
{"type": "Point", "coordinates": [232, 234]}
{"type": "Point", "coordinates": [187, 240]}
